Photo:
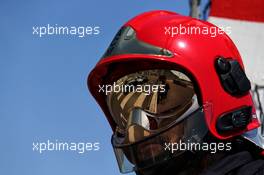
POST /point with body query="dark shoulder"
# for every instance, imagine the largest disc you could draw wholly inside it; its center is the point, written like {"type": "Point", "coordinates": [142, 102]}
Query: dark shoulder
{"type": "Point", "coordinates": [240, 163]}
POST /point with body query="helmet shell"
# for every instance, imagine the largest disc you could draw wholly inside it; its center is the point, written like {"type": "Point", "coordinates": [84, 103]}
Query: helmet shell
{"type": "Point", "coordinates": [193, 53]}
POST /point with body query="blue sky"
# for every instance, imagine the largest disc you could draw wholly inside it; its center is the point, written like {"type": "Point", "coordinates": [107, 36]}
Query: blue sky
{"type": "Point", "coordinates": [43, 91]}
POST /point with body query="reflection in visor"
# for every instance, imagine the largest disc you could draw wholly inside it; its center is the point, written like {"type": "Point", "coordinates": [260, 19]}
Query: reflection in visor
{"type": "Point", "coordinates": [146, 121]}
{"type": "Point", "coordinates": [171, 91]}
{"type": "Point", "coordinates": [142, 124]}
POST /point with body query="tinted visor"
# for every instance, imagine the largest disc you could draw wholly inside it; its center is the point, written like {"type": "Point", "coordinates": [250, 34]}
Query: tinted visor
{"type": "Point", "coordinates": [157, 92]}
{"type": "Point", "coordinates": [153, 108]}
{"type": "Point", "coordinates": [182, 135]}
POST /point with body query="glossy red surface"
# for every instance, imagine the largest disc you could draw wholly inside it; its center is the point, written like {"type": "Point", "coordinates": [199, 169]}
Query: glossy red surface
{"type": "Point", "coordinates": [195, 53]}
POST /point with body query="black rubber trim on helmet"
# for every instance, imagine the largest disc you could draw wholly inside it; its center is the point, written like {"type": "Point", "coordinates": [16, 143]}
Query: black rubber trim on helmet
{"type": "Point", "coordinates": [126, 42]}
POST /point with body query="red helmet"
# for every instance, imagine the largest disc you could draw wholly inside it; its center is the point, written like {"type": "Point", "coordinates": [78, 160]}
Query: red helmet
{"type": "Point", "coordinates": [153, 43]}
{"type": "Point", "coordinates": [202, 76]}
{"type": "Point", "coordinates": [153, 40]}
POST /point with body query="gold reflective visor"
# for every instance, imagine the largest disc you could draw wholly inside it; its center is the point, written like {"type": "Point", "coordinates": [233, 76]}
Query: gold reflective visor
{"type": "Point", "coordinates": [158, 92]}
{"type": "Point", "coordinates": [153, 108]}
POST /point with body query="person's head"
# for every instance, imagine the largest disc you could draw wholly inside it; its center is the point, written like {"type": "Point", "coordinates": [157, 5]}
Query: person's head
{"type": "Point", "coordinates": [165, 82]}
